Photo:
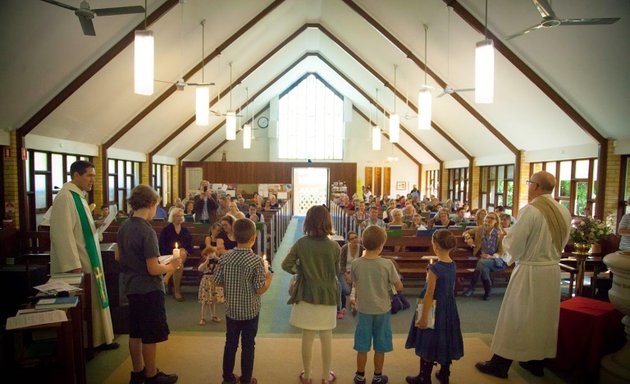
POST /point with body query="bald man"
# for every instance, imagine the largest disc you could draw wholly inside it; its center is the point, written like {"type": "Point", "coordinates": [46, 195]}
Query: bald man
{"type": "Point", "coordinates": [527, 327]}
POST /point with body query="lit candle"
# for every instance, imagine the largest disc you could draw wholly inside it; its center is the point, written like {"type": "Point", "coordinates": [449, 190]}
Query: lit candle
{"type": "Point", "coordinates": [431, 261]}
{"type": "Point", "coordinates": [176, 251]}
{"type": "Point", "coordinates": [265, 263]}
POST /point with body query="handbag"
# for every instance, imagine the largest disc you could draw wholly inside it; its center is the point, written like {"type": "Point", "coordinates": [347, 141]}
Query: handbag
{"type": "Point", "coordinates": [399, 302]}
{"type": "Point", "coordinates": [499, 263]}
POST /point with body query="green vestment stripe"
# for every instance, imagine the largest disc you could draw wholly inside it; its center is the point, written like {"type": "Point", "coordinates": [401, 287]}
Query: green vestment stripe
{"type": "Point", "coordinates": [90, 245]}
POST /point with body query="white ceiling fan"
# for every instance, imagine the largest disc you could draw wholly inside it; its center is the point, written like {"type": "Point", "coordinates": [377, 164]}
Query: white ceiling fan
{"type": "Point", "coordinates": [230, 111]}
{"type": "Point", "coordinates": [549, 19]}
{"type": "Point", "coordinates": [448, 90]}
{"type": "Point", "coordinates": [86, 14]}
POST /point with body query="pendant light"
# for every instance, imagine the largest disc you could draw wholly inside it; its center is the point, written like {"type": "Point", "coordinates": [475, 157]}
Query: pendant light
{"type": "Point", "coordinates": [202, 92]}
{"type": "Point", "coordinates": [230, 116]}
{"type": "Point", "coordinates": [394, 119]}
{"type": "Point", "coordinates": [376, 131]}
{"type": "Point", "coordinates": [143, 62]}
{"type": "Point", "coordinates": [424, 96]}
{"type": "Point", "coordinates": [484, 68]}
{"type": "Point", "coordinates": [247, 128]}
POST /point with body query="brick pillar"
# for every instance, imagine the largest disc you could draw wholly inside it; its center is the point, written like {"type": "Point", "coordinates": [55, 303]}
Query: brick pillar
{"type": "Point", "coordinates": [175, 173]}
{"type": "Point", "coordinates": [145, 173]}
{"type": "Point", "coordinates": [611, 198]}
{"type": "Point", "coordinates": [97, 191]}
{"type": "Point", "coordinates": [11, 179]}
{"type": "Point", "coordinates": [443, 182]}
{"type": "Point", "coordinates": [520, 200]}
{"type": "Point", "coordinates": [474, 186]}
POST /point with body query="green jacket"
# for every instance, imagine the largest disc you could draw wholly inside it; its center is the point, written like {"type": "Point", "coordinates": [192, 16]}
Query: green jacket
{"type": "Point", "coordinates": [316, 261]}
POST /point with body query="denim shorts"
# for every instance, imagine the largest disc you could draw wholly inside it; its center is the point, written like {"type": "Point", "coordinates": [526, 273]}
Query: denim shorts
{"type": "Point", "coordinates": [373, 327]}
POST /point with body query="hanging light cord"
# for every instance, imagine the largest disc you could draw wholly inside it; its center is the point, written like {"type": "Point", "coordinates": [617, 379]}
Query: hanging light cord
{"type": "Point", "coordinates": [145, 15]}
{"type": "Point", "coordinates": [394, 90]}
{"type": "Point", "coordinates": [426, 55]}
{"type": "Point", "coordinates": [486, 26]}
{"type": "Point", "coordinates": [203, 39]}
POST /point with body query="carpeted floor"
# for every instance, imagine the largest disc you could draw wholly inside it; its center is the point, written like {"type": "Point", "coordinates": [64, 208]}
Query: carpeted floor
{"type": "Point", "coordinates": [195, 352]}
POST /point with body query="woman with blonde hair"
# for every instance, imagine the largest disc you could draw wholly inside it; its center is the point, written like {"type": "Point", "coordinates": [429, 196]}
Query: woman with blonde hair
{"type": "Point", "coordinates": [486, 240]}
{"type": "Point", "coordinates": [175, 235]}
{"type": "Point", "coordinates": [314, 258]}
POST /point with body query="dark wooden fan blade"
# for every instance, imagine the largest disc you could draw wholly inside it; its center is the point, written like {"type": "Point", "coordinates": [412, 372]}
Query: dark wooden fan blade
{"type": "Point", "coordinates": [66, 6]}
{"type": "Point", "coordinates": [118, 10]}
{"type": "Point", "coordinates": [87, 26]}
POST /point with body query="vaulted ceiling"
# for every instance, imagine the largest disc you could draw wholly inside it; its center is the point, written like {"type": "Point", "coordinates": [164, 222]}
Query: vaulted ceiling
{"type": "Point", "coordinates": [558, 92]}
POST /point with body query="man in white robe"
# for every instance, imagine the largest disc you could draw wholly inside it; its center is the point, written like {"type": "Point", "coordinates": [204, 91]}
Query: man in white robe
{"type": "Point", "coordinates": [527, 327]}
{"type": "Point", "coordinates": [69, 251]}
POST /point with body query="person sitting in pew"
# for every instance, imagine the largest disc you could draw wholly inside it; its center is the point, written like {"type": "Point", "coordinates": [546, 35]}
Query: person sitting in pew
{"type": "Point", "coordinates": [443, 219]}
{"type": "Point", "coordinates": [396, 221]}
{"type": "Point", "coordinates": [416, 223]}
{"type": "Point", "coordinates": [486, 241]}
{"type": "Point", "coordinates": [253, 214]}
{"type": "Point", "coordinates": [273, 202]}
{"type": "Point", "coordinates": [174, 235]}
{"type": "Point", "coordinates": [373, 219]}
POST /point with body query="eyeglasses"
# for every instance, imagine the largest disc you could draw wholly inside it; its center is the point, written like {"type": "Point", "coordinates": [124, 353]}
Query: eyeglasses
{"type": "Point", "coordinates": [529, 182]}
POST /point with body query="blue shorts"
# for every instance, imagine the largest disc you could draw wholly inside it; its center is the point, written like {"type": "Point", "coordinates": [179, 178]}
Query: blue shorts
{"type": "Point", "coordinates": [377, 327]}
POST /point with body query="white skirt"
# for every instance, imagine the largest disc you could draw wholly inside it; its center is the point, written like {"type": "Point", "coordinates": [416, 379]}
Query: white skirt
{"type": "Point", "coordinates": [314, 317]}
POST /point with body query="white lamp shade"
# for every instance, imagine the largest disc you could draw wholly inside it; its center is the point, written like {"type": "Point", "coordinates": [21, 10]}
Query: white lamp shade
{"type": "Point", "coordinates": [143, 63]}
{"type": "Point", "coordinates": [484, 72]}
{"type": "Point", "coordinates": [394, 128]}
{"type": "Point", "coordinates": [247, 136]}
{"type": "Point", "coordinates": [230, 126]}
{"type": "Point", "coordinates": [376, 138]}
{"type": "Point", "coordinates": [202, 102]}
{"type": "Point", "coordinates": [424, 109]}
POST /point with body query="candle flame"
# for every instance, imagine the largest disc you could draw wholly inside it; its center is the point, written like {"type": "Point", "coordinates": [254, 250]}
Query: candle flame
{"type": "Point", "coordinates": [431, 261]}
{"type": "Point", "coordinates": [176, 246]}
{"type": "Point", "coordinates": [264, 256]}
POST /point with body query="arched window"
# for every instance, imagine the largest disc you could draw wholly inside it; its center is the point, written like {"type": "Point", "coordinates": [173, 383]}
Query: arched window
{"type": "Point", "coordinates": [310, 124]}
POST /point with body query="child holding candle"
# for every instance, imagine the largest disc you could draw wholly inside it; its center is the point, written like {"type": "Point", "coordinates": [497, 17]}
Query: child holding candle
{"type": "Point", "coordinates": [243, 276]}
{"type": "Point", "coordinates": [138, 254]}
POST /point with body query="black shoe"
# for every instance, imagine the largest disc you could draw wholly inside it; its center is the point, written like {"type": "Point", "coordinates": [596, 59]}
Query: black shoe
{"type": "Point", "coordinates": [491, 369]}
{"type": "Point", "coordinates": [413, 379]}
{"type": "Point", "coordinates": [469, 292]}
{"type": "Point", "coordinates": [161, 378]}
{"type": "Point", "coordinates": [535, 367]}
{"type": "Point", "coordinates": [382, 379]}
{"type": "Point", "coordinates": [137, 377]}
{"type": "Point", "coordinates": [107, 347]}
{"type": "Point", "coordinates": [442, 376]}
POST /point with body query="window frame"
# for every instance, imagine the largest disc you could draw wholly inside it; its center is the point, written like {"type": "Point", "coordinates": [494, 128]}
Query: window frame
{"type": "Point", "coordinates": [591, 198]}
{"type": "Point", "coordinates": [488, 187]}
{"type": "Point", "coordinates": [432, 185]}
{"type": "Point", "coordinates": [129, 181]}
{"type": "Point", "coordinates": [455, 192]}
{"type": "Point", "coordinates": [163, 187]}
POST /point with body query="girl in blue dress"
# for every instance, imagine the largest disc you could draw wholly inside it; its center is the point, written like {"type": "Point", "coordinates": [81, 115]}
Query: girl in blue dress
{"type": "Point", "coordinates": [443, 343]}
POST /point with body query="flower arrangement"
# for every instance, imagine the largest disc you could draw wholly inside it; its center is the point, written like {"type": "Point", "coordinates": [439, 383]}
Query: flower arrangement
{"type": "Point", "coordinates": [588, 230]}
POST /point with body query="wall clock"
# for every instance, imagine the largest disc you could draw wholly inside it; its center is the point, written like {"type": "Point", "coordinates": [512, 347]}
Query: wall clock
{"type": "Point", "coordinates": [263, 122]}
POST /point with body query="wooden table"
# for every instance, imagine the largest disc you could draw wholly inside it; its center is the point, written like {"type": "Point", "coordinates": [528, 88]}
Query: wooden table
{"type": "Point", "coordinates": [584, 262]}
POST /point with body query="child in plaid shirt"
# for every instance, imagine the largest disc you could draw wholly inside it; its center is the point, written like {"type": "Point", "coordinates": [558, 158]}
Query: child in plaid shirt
{"type": "Point", "coordinates": [244, 278]}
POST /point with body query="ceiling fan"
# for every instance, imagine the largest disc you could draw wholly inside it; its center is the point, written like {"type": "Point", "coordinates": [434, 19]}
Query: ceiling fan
{"type": "Point", "coordinates": [448, 90]}
{"type": "Point", "coordinates": [86, 14]}
{"type": "Point", "coordinates": [549, 19]}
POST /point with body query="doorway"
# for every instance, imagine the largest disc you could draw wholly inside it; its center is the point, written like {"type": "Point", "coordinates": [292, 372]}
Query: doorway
{"type": "Point", "coordinates": [310, 187]}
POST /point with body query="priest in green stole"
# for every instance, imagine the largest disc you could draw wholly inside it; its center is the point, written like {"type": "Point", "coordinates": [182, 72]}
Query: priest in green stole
{"type": "Point", "coordinates": [527, 326]}
{"type": "Point", "coordinates": [75, 247]}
